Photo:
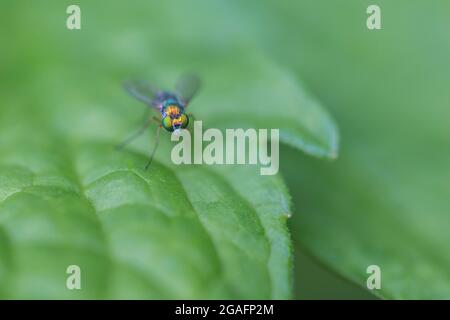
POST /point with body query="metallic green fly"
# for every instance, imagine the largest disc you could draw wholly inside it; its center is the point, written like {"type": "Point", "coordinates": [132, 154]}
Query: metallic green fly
{"type": "Point", "coordinates": [171, 106]}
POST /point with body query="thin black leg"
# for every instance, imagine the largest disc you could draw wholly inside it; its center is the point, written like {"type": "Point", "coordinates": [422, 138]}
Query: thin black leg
{"type": "Point", "coordinates": [158, 130]}
{"type": "Point", "coordinates": [135, 135]}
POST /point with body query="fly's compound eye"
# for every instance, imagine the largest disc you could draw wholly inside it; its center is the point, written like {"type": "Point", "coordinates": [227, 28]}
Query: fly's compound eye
{"type": "Point", "coordinates": [172, 124]}
{"type": "Point", "coordinates": [167, 123]}
{"type": "Point", "coordinates": [184, 121]}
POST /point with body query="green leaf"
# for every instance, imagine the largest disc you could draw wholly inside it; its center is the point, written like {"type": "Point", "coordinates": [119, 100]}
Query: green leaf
{"type": "Point", "coordinates": [164, 233]}
{"type": "Point", "coordinates": [68, 198]}
{"type": "Point", "coordinates": [385, 201]}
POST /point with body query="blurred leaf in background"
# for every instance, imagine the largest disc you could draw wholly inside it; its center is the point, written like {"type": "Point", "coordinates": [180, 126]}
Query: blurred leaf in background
{"type": "Point", "coordinates": [385, 201]}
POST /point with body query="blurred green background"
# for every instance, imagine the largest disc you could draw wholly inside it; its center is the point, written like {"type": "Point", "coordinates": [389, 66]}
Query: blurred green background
{"type": "Point", "coordinates": [383, 201]}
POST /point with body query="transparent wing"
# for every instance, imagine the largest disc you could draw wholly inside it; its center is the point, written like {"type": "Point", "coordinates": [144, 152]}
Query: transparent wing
{"type": "Point", "coordinates": [142, 91]}
{"type": "Point", "coordinates": [187, 87]}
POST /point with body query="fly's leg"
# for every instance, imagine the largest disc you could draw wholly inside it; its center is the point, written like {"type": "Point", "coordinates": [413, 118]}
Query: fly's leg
{"type": "Point", "coordinates": [150, 160]}
{"type": "Point", "coordinates": [146, 124]}
{"type": "Point", "coordinates": [135, 135]}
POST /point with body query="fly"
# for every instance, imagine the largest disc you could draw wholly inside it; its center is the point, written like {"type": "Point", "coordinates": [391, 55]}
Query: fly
{"type": "Point", "coordinates": [171, 106]}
